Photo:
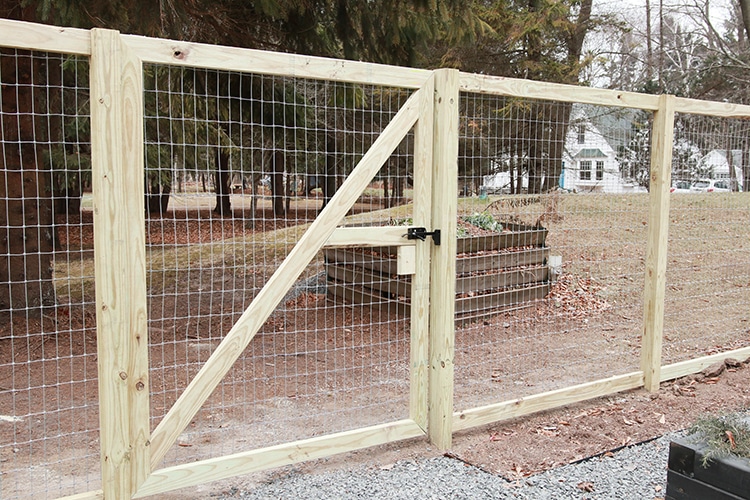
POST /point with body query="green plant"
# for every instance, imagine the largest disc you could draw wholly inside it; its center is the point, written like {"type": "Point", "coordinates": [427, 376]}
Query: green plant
{"type": "Point", "coordinates": [725, 435]}
{"type": "Point", "coordinates": [483, 220]}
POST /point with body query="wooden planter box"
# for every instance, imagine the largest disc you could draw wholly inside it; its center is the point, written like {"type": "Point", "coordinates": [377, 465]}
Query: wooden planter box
{"type": "Point", "coordinates": [494, 273]}
{"type": "Point", "coordinates": [722, 478]}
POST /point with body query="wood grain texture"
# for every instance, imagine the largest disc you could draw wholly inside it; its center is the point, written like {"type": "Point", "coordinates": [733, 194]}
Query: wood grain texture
{"type": "Point", "coordinates": [443, 258]}
{"type": "Point", "coordinates": [276, 456]}
{"type": "Point", "coordinates": [677, 370]}
{"type": "Point", "coordinates": [486, 84]}
{"type": "Point", "coordinates": [42, 37]}
{"type": "Point", "coordinates": [662, 137]}
{"type": "Point", "coordinates": [120, 264]}
{"type": "Point", "coordinates": [236, 340]}
{"type": "Point", "coordinates": [406, 260]}
{"type": "Point", "coordinates": [420, 281]}
{"type": "Point", "coordinates": [545, 401]}
{"type": "Point", "coordinates": [350, 237]}
{"type": "Point", "coordinates": [162, 51]}
{"type": "Point", "coordinates": [89, 495]}
{"type": "Point", "coordinates": [711, 108]}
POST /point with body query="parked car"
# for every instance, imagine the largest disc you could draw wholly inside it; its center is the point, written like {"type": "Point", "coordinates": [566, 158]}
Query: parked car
{"type": "Point", "coordinates": [710, 186]}
{"type": "Point", "coordinates": [680, 187]}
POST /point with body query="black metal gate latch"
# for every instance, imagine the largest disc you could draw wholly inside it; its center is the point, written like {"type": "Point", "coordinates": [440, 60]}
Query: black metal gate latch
{"type": "Point", "coordinates": [420, 233]}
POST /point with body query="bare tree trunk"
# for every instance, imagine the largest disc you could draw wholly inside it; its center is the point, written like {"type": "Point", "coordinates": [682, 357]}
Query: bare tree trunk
{"type": "Point", "coordinates": [329, 179]}
{"type": "Point", "coordinates": [386, 199]}
{"type": "Point", "coordinates": [649, 44]}
{"type": "Point", "coordinates": [277, 183]}
{"type": "Point", "coordinates": [223, 201]}
{"type": "Point", "coordinates": [745, 8]}
{"type": "Point", "coordinates": [26, 225]}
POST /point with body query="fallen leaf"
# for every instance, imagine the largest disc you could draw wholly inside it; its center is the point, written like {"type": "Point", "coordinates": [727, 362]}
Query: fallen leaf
{"type": "Point", "coordinates": [730, 437]}
{"type": "Point", "coordinates": [587, 486]}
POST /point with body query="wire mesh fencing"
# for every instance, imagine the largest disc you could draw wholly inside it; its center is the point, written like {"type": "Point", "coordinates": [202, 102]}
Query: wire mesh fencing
{"type": "Point", "coordinates": [49, 426]}
{"type": "Point", "coordinates": [708, 268]}
{"type": "Point", "coordinates": [557, 299]}
{"type": "Point", "coordinates": [251, 161]}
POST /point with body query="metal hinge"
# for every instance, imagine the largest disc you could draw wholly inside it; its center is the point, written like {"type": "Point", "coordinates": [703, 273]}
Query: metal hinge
{"type": "Point", "coordinates": [420, 233]}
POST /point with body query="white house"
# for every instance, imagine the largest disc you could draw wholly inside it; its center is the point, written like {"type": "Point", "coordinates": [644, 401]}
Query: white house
{"type": "Point", "coordinates": [714, 164]}
{"type": "Point", "coordinates": [590, 161]}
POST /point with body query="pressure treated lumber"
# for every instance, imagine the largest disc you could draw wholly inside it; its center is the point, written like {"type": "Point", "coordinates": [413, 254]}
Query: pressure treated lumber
{"type": "Point", "coordinates": [223, 58]}
{"type": "Point", "coordinates": [498, 85]}
{"type": "Point", "coordinates": [662, 138]}
{"type": "Point", "coordinates": [545, 401]}
{"type": "Point", "coordinates": [443, 258]}
{"type": "Point", "coordinates": [344, 237]}
{"type": "Point", "coordinates": [276, 456]}
{"type": "Point", "coordinates": [42, 37]}
{"type": "Point", "coordinates": [120, 264]}
{"type": "Point", "coordinates": [677, 370]}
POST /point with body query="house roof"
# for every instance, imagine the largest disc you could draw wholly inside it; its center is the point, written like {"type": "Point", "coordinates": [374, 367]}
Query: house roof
{"type": "Point", "coordinates": [590, 153]}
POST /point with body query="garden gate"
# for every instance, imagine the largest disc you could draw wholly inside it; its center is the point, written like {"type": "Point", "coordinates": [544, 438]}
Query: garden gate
{"type": "Point", "coordinates": [130, 459]}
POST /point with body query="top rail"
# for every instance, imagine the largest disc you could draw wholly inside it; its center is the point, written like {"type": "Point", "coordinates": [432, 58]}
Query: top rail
{"type": "Point", "coordinates": [31, 36]}
{"type": "Point", "coordinates": [711, 108]}
{"type": "Point", "coordinates": [485, 84]}
{"type": "Point", "coordinates": [159, 50]}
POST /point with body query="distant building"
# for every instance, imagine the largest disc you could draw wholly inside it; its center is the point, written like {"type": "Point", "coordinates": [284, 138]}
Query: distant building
{"type": "Point", "coordinates": [714, 165]}
{"type": "Point", "coordinates": [590, 161]}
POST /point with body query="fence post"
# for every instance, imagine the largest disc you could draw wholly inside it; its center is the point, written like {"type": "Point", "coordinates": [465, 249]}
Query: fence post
{"type": "Point", "coordinates": [116, 79]}
{"type": "Point", "coordinates": [662, 138]}
{"type": "Point", "coordinates": [443, 258]}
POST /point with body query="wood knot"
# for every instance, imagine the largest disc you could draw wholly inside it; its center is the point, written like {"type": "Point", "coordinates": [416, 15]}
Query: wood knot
{"type": "Point", "coordinates": [180, 53]}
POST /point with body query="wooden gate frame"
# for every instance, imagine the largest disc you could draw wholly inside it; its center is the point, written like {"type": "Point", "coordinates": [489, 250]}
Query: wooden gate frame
{"type": "Point", "coordinates": [130, 454]}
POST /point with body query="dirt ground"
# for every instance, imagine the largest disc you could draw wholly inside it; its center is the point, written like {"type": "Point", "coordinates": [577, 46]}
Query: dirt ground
{"type": "Point", "coordinates": [519, 447]}
{"type": "Point", "coordinates": [48, 367]}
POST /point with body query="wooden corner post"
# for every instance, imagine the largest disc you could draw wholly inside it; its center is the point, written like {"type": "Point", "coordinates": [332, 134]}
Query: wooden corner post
{"type": "Point", "coordinates": [443, 258]}
{"type": "Point", "coordinates": [119, 252]}
{"type": "Point", "coordinates": [662, 138]}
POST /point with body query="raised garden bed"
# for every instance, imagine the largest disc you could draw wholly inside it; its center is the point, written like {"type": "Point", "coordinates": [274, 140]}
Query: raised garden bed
{"type": "Point", "coordinates": [694, 474]}
{"type": "Point", "coordinates": [494, 272]}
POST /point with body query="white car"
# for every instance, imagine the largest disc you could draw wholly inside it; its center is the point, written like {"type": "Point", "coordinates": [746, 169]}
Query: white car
{"type": "Point", "coordinates": [680, 187]}
{"type": "Point", "coordinates": [710, 186]}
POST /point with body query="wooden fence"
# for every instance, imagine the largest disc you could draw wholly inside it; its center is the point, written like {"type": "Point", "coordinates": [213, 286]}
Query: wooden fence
{"type": "Point", "coordinates": [131, 451]}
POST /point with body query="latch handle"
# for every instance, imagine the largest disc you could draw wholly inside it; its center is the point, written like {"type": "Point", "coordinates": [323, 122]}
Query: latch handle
{"type": "Point", "coordinates": [421, 233]}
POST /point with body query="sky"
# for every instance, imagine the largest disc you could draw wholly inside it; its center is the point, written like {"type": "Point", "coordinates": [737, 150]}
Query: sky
{"type": "Point", "coordinates": [635, 10]}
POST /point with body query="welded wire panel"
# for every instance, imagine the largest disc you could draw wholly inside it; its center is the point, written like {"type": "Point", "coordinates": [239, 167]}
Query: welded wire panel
{"type": "Point", "coordinates": [708, 268]}
{"type": "Point", "coordinates": [238, 167]}
{"type": "Point", "coordinates": [49, 423]}
{"type": "Point", "coordinates": [552, 231]}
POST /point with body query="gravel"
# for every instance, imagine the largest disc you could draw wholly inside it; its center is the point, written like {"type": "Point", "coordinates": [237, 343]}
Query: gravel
{"type": "Point", "coordinates": [636, 472]}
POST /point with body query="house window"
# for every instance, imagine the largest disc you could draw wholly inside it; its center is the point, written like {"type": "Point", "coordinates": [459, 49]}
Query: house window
{"type": "Point", "coordinates": [581, 133]}
{"type": "Point", "coordinates": [599, 170]}
{"type": "Point", "coordinates": [584, 170]}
